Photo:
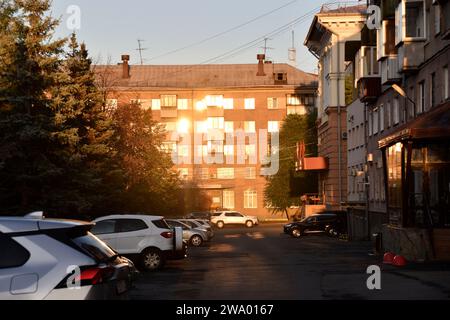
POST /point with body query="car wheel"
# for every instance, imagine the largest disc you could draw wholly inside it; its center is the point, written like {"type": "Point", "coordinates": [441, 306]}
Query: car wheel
{"type": "Point", "coordinates": [220, 224]}
{"type": "Point", "coordinates": [296, 233]}
{"type": "Point", "coordinates": [152, 260]}
{"type": "Point", "coordinates": [249, 224]}
{"type": "Point", "coordinates": [196, 241]}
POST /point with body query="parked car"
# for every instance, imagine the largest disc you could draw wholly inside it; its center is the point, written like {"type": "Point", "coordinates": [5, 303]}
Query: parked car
{"type": "Point", "coordinates": [223, 218]}
{"type": "Point", "coordinates": [201, 226]}
{"type": "Point", "coordinates": [194, 237]}
{"type": "Point", "coordinates": [148, 240]}
{"type": "Point", "coordinates": [38, 258]}
{"type": "Point", "coordinates": [206, 223]}
{"type": "Point", "coordinates": [206, 215]}
{"type": "Point", "coordinates": [324, 222]}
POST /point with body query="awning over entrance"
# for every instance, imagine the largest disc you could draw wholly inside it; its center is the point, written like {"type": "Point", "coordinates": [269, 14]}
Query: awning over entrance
{"type": "Point", "coordinates": [434, 124]}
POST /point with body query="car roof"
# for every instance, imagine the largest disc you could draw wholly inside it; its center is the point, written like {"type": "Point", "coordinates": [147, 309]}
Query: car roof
{"type": "Point", "coordinates": [129, 216]}
{"type": "Point", "coordinates": [26, 224]}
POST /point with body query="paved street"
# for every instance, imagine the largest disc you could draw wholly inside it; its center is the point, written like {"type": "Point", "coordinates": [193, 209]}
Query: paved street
{"type": "Point", "coordinates": [263, 263]}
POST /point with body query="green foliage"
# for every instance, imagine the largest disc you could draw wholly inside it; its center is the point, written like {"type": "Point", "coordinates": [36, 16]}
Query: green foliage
{"type": "Point", "coordinates": [278, 190]}
{"type": "Point", "coordinates": [59, 151]}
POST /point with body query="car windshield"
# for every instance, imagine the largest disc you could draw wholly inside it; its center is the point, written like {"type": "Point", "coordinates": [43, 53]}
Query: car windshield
{"type": "Point", "coordinates": [94, 247]}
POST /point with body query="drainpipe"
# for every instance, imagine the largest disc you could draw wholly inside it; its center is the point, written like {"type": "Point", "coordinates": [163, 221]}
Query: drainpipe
{"type": "Point", "coordinates": [339, 121]}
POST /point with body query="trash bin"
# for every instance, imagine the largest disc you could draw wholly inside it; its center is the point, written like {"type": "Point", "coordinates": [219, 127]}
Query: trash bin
{"type": "Point", "coordinates": [377, 243]}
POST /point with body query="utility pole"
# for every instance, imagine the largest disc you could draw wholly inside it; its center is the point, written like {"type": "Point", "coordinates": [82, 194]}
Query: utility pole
{"type": "Point", "coordinates": [141, 49]}
{"type": "Point", "coordinates": [266, 48]}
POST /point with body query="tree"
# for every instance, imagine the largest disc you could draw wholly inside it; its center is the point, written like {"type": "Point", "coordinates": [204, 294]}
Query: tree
{"type": "Point", "coordinates": [143, 178]}
{"type": "Point", "coordinates": [278, 192]}
{"type": "Point", "coordinates": [29, 153]}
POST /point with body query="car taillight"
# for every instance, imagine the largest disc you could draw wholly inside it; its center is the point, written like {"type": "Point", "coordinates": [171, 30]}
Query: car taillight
{"type": "Point", "coordinates": [167, 234]}
{"type": "Point", "coordinates": [95, 275]}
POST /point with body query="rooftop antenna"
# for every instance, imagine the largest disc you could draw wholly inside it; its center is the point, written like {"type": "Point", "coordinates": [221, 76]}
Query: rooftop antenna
{"type": "Point", "coordinates": [141, 49]}
{"type": "Point", "coordinates": [293, 52]}
{"type": "Point", "coordinates": [266, 48]}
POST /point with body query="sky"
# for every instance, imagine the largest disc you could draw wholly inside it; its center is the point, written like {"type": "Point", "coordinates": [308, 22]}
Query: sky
{"type": "Point", "coordinates": [111, 28]}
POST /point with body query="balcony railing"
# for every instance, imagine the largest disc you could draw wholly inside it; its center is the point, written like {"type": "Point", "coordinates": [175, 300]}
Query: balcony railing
{"type": "Point", "coordinates": [369, 89]}
{"type": "Point", "coordinates": [169, 112]}
{"type": "Point", "coordinates": [366, 64]}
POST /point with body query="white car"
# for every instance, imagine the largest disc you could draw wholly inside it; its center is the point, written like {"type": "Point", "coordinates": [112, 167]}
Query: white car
{"type": "Point", "coordinates": [46, 259]}
{"type": "Point", "coordinates": [148, 240]}
{"type": "Point", "coordinates": [222, 218]}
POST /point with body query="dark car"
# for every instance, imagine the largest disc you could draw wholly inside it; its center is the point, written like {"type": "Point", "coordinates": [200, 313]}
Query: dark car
{"type": "Point", "coordinates": [334, 222]}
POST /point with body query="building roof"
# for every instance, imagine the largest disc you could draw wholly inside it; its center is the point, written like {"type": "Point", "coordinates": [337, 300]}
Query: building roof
{"type": "Point", "coordinates": [346, 7]}
{"type": "Point", "coordinates": [201, 76]}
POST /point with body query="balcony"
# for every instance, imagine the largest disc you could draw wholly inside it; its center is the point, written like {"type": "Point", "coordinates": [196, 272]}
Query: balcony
{"type": "Point", "coordinates": [389, 70]}
{"type": "Point", "coordinates": [369, 89]}
{"type": "Point", "coordinates": [169, 113]}
{"type": "Point", "coordinates": [410, 55]}
{"type": "Point", "coordinates": [312, 164]}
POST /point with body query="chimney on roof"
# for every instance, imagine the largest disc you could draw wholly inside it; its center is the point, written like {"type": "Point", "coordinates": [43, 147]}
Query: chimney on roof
{"type": "Point", "coordinates": [261, 58]}
{"type": "Point", "coordinates": [125, 66]}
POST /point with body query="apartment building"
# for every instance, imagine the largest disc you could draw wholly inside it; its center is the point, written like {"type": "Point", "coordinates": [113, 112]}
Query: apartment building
{"type": "Point", "coordinates": [202, 106]}
{"type": "Point", "coordinates": [408, 126]}
{"type": "Point", "coordinates": [334, 34]}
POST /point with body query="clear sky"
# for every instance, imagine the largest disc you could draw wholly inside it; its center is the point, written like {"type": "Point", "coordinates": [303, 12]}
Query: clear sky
{"type": "Point", "coordinates": [111, 28]}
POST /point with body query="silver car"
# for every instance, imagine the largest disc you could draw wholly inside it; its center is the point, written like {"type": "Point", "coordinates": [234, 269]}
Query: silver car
{"type": "Point", "coordinates": [195, 237]}
{"type": "Point", "coordinates": [46, 259]}
{"type": "Point", "coordinates": [198, 225]}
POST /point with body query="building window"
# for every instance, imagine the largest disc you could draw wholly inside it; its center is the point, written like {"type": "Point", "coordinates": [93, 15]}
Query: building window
{"type": "Point", "coordinates": [156, 104]}
{"type": "Point", "coordinates": [396, 112]}
{"type": "Point", "coordinates": [229, 150]}
{"type": "Point", "coordinates": [214, 101]}
{"type": "Point", "coordinates": [389, 114]}
{"type": "Point", "coordinates": [201, 126]}
{"type": "Point", "coordinates": [370, 123]}
{"type": "Point", "coordinates": [250, 150]}
{"type": "Point", "coordinates": [225, 173]}
{"type": "Point", "coordinates": [111, 104]}
{"type": "Point", "coordinates": [273, 126]}
{"type": "Point", "coordinates": [250, 104]}
{"type": "Point", "coordinates": [215, 146]}
{"type": "Point", "coordinates": [204, 174]}
{"type": "Point", "coordinates": [415, 19]}
{"type": "Point", "coordinates": [250, 199]}
{"type": "Point", "coordinates": [216, 123]}
{"type": "Point", "coordinates": [433, 89]}
{"type": "Point", "coordinates": [446, 93]}
{"type": "Point", "coordinates": [437, 19]}
{"type": "Point", "coordinates": [250, 126]}
{"type": "Point", "coordinates": [272, 103]}
{"type": "Point", "coordinates": [170, 126]}
{"type": "Point", "coordinates": [183, 104]}
{"type": "Point", "coordinates": [250, 173]}
{"type": "Point", "coordinates": [229, 126]}
{"type": "Point", "coordinates": [168, 101]}
{"type": "Point", "coordinates": [376, 121]}
{"type": "Point", "coordinates": [382, 118]}
{"type": "Point", "coordinates": [421, 98]}
{"type": "Point", "coordinates": [300, 110]}
{"type": "Point", "coordinates": [228, 199]}
{"type": "Point", "coordinates": [184, 173]}
{"type": "Point", "coordinates": [294, 100]}
{"type": "Point", "coordinates": [228, 104]}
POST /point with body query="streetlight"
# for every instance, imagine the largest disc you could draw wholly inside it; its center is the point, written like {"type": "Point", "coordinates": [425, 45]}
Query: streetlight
{"type": "Point", "coordinates": [402, 92]}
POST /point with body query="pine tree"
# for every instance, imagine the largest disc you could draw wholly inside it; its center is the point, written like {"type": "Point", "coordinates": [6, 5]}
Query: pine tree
{"type": "Point", "coordinates": [30, 161]}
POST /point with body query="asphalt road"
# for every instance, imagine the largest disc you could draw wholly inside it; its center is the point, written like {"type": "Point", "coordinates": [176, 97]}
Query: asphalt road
{"type": "Point", "coordinates": [264, 264]}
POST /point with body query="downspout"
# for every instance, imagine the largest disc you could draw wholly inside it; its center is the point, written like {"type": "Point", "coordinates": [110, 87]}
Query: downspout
{"type": "Point", "coordinates": [339, 121]}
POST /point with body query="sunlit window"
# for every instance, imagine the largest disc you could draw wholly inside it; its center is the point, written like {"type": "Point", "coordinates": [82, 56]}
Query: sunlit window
{"type": "Point", "coordinates": [228, 104]}
{"type": "Point", "coordinates": [183, 104]}
{"type": "Point", "coordinates": [169, 101]}
{"type": "Point", "coordinates": [250, 104]}
{"type": "Point", "coordinates": [250, 126]}
{"type": "Point", "coordinates": [273, 126]}
{"type": "Point", "coordinates": [250, 199]}
{"type": "Point", "coordinates": [225, 173]}
{"type": "Point", "coordinates": [183, 126]}
{"type": "Point", "coordinates": [214, 101]}
{"type": "Point", "coordinates": [228, 199]}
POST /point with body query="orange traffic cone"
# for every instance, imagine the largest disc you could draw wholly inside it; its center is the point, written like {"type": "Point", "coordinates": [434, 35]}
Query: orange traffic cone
{"type": "Point", "coordinates": [388, 258]}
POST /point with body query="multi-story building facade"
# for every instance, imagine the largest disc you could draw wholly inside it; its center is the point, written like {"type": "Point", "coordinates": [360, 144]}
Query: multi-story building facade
{"type": "Point", "coordinates": [333, 35]}
{"type": "Point", "coordinates": [408, 120]}
{"type": "Point", "coordinates": [202, 105]}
